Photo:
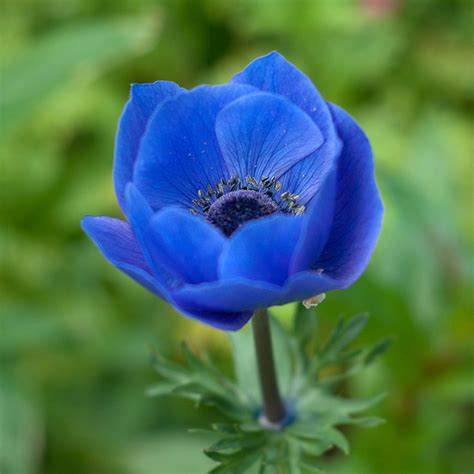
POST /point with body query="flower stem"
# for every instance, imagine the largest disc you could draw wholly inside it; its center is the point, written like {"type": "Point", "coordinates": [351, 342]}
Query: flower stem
{"type": "Point", "coordinates": [273, 407]}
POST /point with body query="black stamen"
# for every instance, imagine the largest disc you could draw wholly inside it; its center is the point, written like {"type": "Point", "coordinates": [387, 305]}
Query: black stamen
{"type": "Point", "coordinates": [262, 192]}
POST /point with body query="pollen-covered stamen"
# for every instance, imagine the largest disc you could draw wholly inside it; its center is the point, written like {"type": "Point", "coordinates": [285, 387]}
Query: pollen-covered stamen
{"type": "Point", "coordinates": [270, 186]}
{"type": "Point", "coordinates": [234, 209]}
{"type": "Point", "coordinates": [261, 197]}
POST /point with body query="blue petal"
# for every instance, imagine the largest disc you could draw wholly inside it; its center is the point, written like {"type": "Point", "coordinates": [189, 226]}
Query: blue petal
{"type": "Point", "coordinates": [307, 176]}
{"type": "Point", "coordinates": [305, 285]}
{"type": "Point", "coordinates": [240, 294]}
{"type": "Point", "coordinates": [139, 214]}
{"type": "Point", "coordinates": [186, 245]}
{"type": "Point", "coordinates": [179, 153]}
{"type": "Point", "coordinates": [116, 241]}
{"type": "Point", "coordinates": [138, 211]}
{"type": "Point", "coordinates": [316, 226]}
{"type": "Point", "coordinates": [273, 73]}
{"type": "Point", "coordinates": [358, 208]}
{"type": "Point", "coordinates": [237, 294]}
{"type": "Point", "coordinates": [264, 135]}
{"type": "Point", "coordinates": [227, 321]}
{"type": "Point", "coordinates": [262, 249]}
{"type": "Point", "coordinates": [144, 99]}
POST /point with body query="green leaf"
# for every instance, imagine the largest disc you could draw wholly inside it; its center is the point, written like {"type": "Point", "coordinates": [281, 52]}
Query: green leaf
{"type": "Point", "coordinates": [267, 469]}
{"type": "Point", "coordinates": [377, 350]}
{"type": "Point", "coordinates": [333, 337]}
{"type": "Point", "coordinates": [330, 383]}
{"type": "Point", "coordinates": [221, 469]}
{"type": "Point", "coordinates": [222, 457]}
{"type": "Point", "coordinates": [294, 452]}
{"type": "Point", "coordinates": [324, 433]}
{"type": "Point", "coordinates": [237, 442]}
{"type": "Point", "coordinates": [276, 454]}
{"type": "Point", "coordinates": [310, 468]}
{"type": "Point", "coordinates": [239, 466]}
{"type": "Point", "coordinates": [227, 407]}
{"type": "Point", "coordinates": [208, 377]}
{"type": "Point", "coordinates": [317, 401]}
{"type": "Point", "coordinates": [315, 447]}
{"type": "Point", "coordinates": [356, 406]}
{"type": "Point", "coordinates": [160, 388]}
{"type": "Point", "coordinates": [344, 334]}
{"type": "Point", "coordinates": [169, 370]}
{"type": "Point", "coordinates": [190, 388]}
{"type": "Point", "coordinates": [193, 362]}
{"type": "Point", "coordinates": [251, 426]}
{"type": "Point", "coordinates": [235, 463]}
{"type": "Point", "coordinates": [226, 427]}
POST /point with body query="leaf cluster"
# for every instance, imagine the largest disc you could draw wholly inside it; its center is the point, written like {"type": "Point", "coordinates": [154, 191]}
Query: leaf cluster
{"type": "Point", "coordinates": [308, 375]}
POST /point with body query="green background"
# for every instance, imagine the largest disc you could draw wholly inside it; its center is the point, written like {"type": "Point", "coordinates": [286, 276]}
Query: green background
{"type": "Point", "coordinates": [75, 333]}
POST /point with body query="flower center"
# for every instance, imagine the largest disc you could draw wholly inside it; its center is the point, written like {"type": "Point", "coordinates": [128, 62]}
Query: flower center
{"type": "Point", "coordinates": [232, 202]}
{"type": "Point", "coordinates": [230, 211]}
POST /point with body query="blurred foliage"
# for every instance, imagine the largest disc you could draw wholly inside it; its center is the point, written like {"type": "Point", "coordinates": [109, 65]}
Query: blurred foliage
{"type": "Point", "coordinates": [74, 331]}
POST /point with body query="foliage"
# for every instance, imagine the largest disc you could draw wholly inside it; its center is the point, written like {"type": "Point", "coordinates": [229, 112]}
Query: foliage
{"type": "Point", "coordinates": [316, 412]}
{"type": "Point", "coordinates": [73, 331]}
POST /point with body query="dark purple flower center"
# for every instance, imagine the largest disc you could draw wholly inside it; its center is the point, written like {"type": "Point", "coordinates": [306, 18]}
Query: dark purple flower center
{"type": "Point", "coordinates": [232, 202]}
{"type": "Point", "coordinates": [232, 210]}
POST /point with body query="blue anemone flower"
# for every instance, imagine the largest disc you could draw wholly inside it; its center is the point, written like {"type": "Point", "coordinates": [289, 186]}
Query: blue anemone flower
{"type": "Point", "coordinates": [240, 196]}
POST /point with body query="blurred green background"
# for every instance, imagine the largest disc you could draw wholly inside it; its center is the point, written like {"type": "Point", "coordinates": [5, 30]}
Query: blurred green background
{"type": "Point", "coordinates": [75, 333]}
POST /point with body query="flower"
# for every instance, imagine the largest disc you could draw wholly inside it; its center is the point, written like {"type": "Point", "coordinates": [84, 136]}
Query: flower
{"type": "Point", "coordinates": [240, 196]}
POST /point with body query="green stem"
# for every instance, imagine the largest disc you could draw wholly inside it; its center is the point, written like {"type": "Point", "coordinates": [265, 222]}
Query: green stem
{"type": "Point", "coordinates": [273, 407]}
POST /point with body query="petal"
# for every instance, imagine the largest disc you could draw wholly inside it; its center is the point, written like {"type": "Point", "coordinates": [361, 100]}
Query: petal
{"type": "Point", "coordinates": [138, 211]}
{"type": "Point", "coordinates": [179, 153]}
{"type": "Point", "coordinates": [358, 208]}
{"type": "Point", "coordinates": [186, 245]}
{"type": "Point", "coordinates": [262, 249]}
{"type": "Point", "coordinates": [139, 214]}
{"type": "Point", "coordinates": [144, 99]}
{"type": "Point", "coordinates": [240, 294]}
{"type": "Point", "coordinates": [273, 73]}
{"type": "Point", "coordinates": [307, 176]}
{"type": "Point", "coordinates": [227, 321]}
{"type": "Point", "coordinates": [316, 226]}
{"type": "Point", "coordinates": [116, 241]}
{"type": "Point", "coordinates": [237, 294]}
{"type": "Point", "coordinates": [307, 284]}
{"type": "Point", "coordinates": [264, 135]}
